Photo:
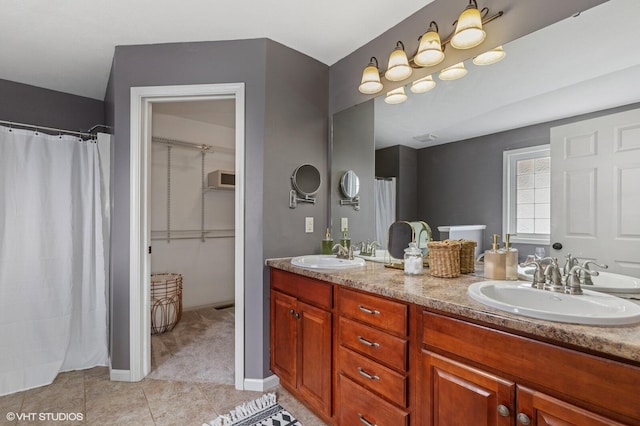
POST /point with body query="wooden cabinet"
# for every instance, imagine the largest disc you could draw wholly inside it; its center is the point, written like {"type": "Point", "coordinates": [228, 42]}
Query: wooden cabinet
{"type": "Point", "coordinates": [472, 374]}
{"type": "Point", "coordinates": [373, 360]}
{"type": "Point", "coordinates": [460, 395]}
{"type": "Point", "coordinates": [301, 338]}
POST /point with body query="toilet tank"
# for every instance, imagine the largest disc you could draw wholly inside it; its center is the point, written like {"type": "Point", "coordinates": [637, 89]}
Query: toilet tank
{"type": "Point", "coordinates": [464, 232]}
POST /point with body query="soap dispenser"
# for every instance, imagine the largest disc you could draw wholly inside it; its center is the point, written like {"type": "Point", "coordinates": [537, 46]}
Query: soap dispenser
{"type": "Point", "coordinates": [511, 260]}
{"type": "Point", "coordinates": [495, 261]}
{"type": "Point", "coordinates": [345, 241]}
{"type": "Point", "coordinates": [327, 243]}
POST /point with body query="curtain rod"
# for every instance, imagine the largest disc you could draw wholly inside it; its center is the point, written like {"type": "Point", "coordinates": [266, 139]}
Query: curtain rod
{"type": "Point", "coordinates": [52, 129]}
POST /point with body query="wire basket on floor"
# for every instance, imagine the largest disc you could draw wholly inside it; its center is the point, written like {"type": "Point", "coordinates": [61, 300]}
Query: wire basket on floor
{"type": "Point", "coordinates": [444, 258]}
{"type": "Point", "coordinates": [166, 301]}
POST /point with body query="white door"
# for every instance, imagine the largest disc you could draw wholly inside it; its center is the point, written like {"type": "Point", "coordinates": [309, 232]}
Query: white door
{"type": "Point", "coordinates": [595, 181]}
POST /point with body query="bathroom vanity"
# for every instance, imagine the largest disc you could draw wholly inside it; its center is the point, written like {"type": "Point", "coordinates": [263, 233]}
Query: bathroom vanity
{"type": "Point", "coordinates": [372, 346]}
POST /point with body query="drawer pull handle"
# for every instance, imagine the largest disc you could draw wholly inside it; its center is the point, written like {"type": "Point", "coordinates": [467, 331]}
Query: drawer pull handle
{"type": "Point", "coordinates": [368, 343]}
{"type": "Point", "coordinates": [367, 375]}
{"type": "Point", "coordinates": [368, 311]}
{"type": "Point", "coordinates": [365, 421]}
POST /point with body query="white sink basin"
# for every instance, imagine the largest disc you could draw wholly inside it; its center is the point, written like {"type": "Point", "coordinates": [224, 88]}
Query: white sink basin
{"type": "Point", "coordinates": [591, 308]}
{"type": "Point", "coordinates": [606, 282]}
{"type": "Point", "coordinates": [326, 261]}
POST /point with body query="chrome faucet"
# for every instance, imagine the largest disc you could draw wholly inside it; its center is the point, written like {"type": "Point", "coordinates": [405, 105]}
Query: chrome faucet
{"type": "Point", "coordinates": [570, 263]}
{"type": "Point", "coordinates": [553, 277]}
{"type": "Point", "coordinates": [568, 279]}
{"type": "Point", "coordinates": [343, 252]}
{"type": "Point", "coordinates": [585, 275]}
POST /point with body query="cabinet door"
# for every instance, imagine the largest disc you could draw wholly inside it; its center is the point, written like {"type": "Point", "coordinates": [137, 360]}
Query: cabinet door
{"type": "Point", "coordinates": [283, 337]}
{"type": "Point", "coordinates": [456, 394]}
{"type": "Point", "coordinates": [314, 347]}
{"type": "Point", "coordinates": [536, 408]}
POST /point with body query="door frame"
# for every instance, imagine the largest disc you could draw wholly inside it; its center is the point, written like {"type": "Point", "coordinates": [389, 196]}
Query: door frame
{"type": "Point", "coordinates": [142, 99]}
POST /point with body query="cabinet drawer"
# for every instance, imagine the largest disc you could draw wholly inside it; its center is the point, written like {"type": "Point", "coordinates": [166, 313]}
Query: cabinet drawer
{"type": "Point", "coordinates": [315, 292]}
{"type": "Point", "coordinates": [382, 313]}
{"type": "Point", "coordinates": [358, 406]}
{"type": "Point", "coordinates": [383, 347]}
{"type": "Point", "coordinates": [373, 376]}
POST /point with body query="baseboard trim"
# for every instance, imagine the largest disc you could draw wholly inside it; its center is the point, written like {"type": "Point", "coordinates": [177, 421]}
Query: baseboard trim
{"type": "Point", "coordinates": [261, 385]}
{"type": "Point", "coordinates": [119, 375]}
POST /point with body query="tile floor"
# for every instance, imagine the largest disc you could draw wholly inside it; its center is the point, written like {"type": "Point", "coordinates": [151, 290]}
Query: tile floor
{"type": "Point", "coordinates": [91, 396]}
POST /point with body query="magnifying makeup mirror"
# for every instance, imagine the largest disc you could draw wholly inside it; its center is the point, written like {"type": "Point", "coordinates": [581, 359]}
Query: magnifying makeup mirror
{"type": "Point", "coordinates": [306, 183]}
{"type": "Point", "coordinates": [350, 187]}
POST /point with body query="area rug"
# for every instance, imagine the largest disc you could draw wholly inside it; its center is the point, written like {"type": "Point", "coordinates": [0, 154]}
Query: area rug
{"type": "Point", "coordinates": [264, 411]}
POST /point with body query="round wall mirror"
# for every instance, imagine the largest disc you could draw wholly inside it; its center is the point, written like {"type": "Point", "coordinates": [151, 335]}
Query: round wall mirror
{"type": "Point", "coordinates": [350, 184]}
{"type": "Point", "coordinates": [306, 179]}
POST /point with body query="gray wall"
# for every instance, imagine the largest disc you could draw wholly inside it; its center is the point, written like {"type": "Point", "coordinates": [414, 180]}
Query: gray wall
{"type": "Point", "coordinates": [520, 18]}
{"type": "Point", "coordinates": [295, 132]}
{"type": "Point", "coordinates": [43, 107]}
{"type": "Point", "coordinates": [401, 162]}
{"type": "Point", "coordinates": [353, 149]}
{"type": "Point", "coordinates": [226, 62]}
{"type": "Point", "coordinates": [460, 183]}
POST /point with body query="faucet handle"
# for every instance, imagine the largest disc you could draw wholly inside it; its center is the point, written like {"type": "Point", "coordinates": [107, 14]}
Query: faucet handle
{"type": "Point", "coordinates": [586, 273]}
{"type": "Point", "coordinates": [593, 262]}
{"type": "Point", "coordinates": [574, 278]}
{"type": "Point", "coordinates": [538, 275]}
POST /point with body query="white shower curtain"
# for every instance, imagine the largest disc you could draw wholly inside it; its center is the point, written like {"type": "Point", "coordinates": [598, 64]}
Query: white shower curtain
{"type": "Point", "coordinates": [53, 314]}
{"type": "Point", "coordinates": [385, 205]}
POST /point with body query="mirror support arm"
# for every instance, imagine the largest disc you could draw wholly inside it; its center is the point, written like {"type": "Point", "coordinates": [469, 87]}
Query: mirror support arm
{"type": "Point", "coordinates": [355, 202]}
{"type": "Point", "coordinates": [293, 199]}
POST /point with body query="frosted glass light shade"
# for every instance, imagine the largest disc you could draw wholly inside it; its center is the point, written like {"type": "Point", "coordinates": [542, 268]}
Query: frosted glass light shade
{"type": "Point", "coordinates": [430, 50]}
{"type": "Point", "coordinates": [454, 72]}
{"type": "Point", "coordinates": [469, 32]}
{"type": "Point", "coordinates": [398, 68]}
{"type": "Point", "coordinates": [490, 57]}
{"type": "Point", "coordinates": [370, 83]}
{"type": "Point", "coordinates": [423, 85]}
{"type": "Point", "coordinates": [396, 96]}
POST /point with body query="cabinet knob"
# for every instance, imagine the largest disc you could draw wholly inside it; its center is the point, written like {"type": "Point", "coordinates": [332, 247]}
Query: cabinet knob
{"type": "Point", "coordinates": [296, 315]}
{"type": "Point", "coordinates": [523, 419]}
{"type": "Point", "coordinates": [291, 311]}
{"type": "Point", "coordinates": [365, 421]}
{"type": "Point", "coordinates": [503, 410]}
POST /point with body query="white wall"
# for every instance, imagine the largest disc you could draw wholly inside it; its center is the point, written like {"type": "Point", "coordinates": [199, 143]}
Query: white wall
{"type": "Point", "coordinates": [206, 267]}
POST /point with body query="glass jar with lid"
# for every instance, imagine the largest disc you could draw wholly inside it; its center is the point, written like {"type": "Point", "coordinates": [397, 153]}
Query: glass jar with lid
{"type": "Point", "coordinates": [413, 260]}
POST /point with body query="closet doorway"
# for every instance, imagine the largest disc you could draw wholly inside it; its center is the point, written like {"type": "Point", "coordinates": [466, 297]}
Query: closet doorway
{"type": "Point", "coordinates": [184, 212]}
{"type": "Point", "coordinates": [192, 190]}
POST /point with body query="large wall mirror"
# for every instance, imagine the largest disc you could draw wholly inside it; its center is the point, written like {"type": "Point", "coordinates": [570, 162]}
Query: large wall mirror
{"type": "Point", "coordinates": [553, 75]}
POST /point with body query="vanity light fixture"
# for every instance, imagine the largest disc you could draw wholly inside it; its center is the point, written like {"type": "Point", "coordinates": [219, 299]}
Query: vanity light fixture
{"type": "Point", "coordinates": [430, 48]}
{"type": "Point", "coordinates": [490, 57]}
{"type": "Point", "coordinates": [453, 72]}
{"type": "Point", "coordinates": [398, 68]}
{"type": "Point", "coordinates": [423, 85]}
{"type": "Point", "coordinates": [469, 32]}
{"type": "Point", "coordinates": [370, 83]}
{"type": "Point", "coordinates": [396, 96]}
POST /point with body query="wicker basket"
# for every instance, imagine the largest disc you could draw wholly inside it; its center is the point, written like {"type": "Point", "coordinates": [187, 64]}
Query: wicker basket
{"type": "Point", "coordinates": [467, 256]}
{"type": "Point", "coordinates": [166, 301]}
{"type": "Point", "coordinates": [444, 258]}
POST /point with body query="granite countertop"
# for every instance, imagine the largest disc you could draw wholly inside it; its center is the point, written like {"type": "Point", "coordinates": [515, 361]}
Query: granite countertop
{"type": "Point", "coordinates": [450, 295]}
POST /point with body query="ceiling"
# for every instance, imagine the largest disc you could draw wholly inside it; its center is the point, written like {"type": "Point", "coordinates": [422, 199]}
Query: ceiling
{"type": "Point", "coordinates": [68, 45]}
{"type": "Point", "coordinates": [582, 64]}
